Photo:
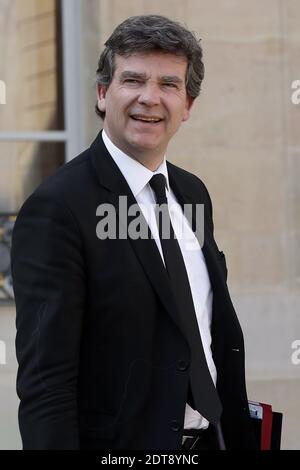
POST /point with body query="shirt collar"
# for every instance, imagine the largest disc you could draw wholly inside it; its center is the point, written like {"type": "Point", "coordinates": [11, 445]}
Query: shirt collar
{"type": "Point", "coordinates": [136, 174]}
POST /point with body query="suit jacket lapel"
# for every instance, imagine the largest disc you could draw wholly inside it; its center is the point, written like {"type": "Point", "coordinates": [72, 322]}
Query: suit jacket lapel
{"type": "Point", "coordinates": [185, 196]}
{"type": "Point", "coordinates": [111, 178]}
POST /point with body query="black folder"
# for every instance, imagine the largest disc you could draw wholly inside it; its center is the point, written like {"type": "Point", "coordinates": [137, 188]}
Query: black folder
{"type": "Point", "coordinates": [267, 425]}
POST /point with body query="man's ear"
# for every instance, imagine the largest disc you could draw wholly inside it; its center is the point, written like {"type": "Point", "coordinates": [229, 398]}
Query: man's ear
{"type": "Point", "coordinates": [101, 94]}
{"type": "Point", "coordinates": [188, 106]}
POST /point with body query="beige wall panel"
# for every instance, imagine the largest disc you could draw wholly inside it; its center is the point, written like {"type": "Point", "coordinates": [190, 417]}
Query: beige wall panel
{"type": "Point", "coordinates": [31, 8]}
{"type": "Point", "coordinates": [40, 117]}
{"type": "Point", "coordinates": [105, 20]}
{"type": "Point", "coordinates": [293, 190]}
{"type": "Point", "coordinates": [240, 104]}
{"type": "Point", "coordinates": [246, 186]}
{"type": "Point", "coordinates": [291, 72]}
{"type": "Point", "coordinates": [29, 63]}
{"type": "Point", "coordinates": [113, 12]}
{"type": "Point", "coordinates": [8, 68]}
{"type": "Point", "coordinates": [39, 87]}
{"type": "Point", "coordinates": [293, 263]}
{"type": "Point", "coordinates": [43, 29]}
{"type": "Point", "coordinates": [117, 10]}
{"type": "Point", "coordinates": [255, 260]}
{"type": "Point", "coordinates": [40, 59]}
{"type": "Point", "coordinates": [175, 9]}
{"type": "Point", "coordinates": [290, 30]}
{"type": "Point", "coordinates": [91, 46]}
{"type": "Point", "coordinates": [233, 19]}
{"type": "Point", "coordinates": [121, 10]}
{"type": "Point", "coordinates": [248, 189]}
{"type": "Point", "coordinates": [42, 90]}
{"type": "Point", "coordinates": [291, 17]}
{"type": "Point", "coordinates": [293, 128]}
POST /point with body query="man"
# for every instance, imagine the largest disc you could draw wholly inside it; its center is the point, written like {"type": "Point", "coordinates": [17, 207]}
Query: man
{"type": "Point", "coordinates": [128, 342]}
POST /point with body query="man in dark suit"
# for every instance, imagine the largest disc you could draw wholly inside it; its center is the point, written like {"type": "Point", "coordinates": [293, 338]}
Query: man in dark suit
{"type": "Point", "coordinates": [128, 342]}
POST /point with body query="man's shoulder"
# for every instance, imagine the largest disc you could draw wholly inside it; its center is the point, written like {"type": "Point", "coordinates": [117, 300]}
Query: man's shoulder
{"type": "Point", "coordinates": [73, 178]}
{"type": "Point", "coordinates": [187, 179]}
{"type": "Point", "coordinates": [66, 177]}
{"type": "Point", "coordinates": [66, 187]}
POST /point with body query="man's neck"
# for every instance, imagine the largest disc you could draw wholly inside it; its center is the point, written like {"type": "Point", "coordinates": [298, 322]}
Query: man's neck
{"type": "Point", "coordinates": [147, 159]}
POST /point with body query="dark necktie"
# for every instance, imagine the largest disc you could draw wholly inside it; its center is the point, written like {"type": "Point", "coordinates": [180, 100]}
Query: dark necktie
{"type": "Point", "coordinates": [204, 393]}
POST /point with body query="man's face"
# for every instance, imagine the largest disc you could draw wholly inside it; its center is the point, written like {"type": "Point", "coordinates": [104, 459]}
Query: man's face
{"type": "Point", "coordinates": [145, 104]}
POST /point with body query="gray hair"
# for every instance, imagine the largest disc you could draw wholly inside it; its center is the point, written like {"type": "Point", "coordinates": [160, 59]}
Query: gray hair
{"type": "Point", "coordinates": [149, 33]}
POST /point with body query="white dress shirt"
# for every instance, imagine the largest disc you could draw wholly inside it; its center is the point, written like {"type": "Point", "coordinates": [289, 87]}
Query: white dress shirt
{"type": "Point", "coordinates": [138, 177]}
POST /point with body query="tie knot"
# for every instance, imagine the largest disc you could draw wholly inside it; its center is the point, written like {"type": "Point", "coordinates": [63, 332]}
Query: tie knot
{"type": "Point", "coordinates": [158, 184]}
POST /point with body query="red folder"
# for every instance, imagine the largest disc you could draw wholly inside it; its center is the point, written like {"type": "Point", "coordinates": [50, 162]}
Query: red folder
{"type": "Point", "coordinates": [267, 425]}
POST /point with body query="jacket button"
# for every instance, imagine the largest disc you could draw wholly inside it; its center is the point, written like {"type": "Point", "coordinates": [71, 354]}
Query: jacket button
{"type": "Point", "coordinates": [175, 426]}
{"type": "Point", "coordinates": [182, 365]}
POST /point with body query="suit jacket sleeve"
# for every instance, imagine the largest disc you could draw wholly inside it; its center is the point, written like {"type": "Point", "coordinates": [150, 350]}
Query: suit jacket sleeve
{"type": "Point", "coordinates": [48, 277]}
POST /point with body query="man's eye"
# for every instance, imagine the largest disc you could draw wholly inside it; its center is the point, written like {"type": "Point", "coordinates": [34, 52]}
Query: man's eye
{"type": "Point", "coordinates": [170, 85]}
{"type": "Point", "coordinates": [131, 80]}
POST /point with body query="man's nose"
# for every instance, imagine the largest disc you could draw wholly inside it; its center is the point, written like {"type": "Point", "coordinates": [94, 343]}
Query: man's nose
{"type": "Point", "coordinates": [149, 95]}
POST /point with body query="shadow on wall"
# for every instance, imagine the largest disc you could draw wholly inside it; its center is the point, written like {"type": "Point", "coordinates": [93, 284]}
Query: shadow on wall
{"type": "Point", "coordinates": [36, 163]}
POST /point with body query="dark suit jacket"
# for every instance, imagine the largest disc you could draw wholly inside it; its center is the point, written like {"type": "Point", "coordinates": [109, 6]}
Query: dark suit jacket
{"type": "Point", "coordinates": [103, 362]}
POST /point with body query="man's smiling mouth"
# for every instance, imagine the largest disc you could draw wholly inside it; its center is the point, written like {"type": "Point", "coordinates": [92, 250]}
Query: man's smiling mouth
{"type": "Point", "coordinates": [147, 119]}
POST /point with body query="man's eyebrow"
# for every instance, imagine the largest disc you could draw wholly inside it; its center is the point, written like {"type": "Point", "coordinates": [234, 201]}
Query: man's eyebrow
{"type": "Point", "coordinates": [171, 79]}
{"type": "Point", "coordinates": [143, 76]}
{"type": "Point", "coordinates": [132, 74]}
